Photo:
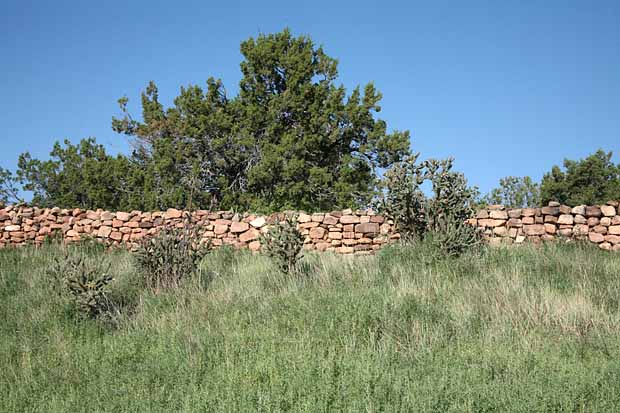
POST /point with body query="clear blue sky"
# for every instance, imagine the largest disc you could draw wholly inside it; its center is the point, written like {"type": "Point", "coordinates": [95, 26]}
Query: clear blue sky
{"type": "Point", "coordinates": [506, 87]}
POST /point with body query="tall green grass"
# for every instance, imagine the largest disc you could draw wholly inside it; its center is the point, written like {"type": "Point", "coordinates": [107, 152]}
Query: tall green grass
{"type": "Point", "coordinates": [521, 329]}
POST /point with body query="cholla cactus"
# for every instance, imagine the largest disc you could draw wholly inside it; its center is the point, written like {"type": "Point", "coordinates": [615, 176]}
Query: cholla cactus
{"type": "Point", "coordinates": [172, 255]}
{"type": "Point", "coordinates": [441, 217]}
{"type": "Point", "coordinates": [403, 199]}
{"type": "Point", "coordinates": [86, 282]}
{"type": "Point", "coordinates": [284, 243]}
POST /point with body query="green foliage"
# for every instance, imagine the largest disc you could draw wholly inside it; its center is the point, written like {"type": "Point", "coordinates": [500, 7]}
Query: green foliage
{"type": "Point", "coordinates": [403, 199]}
{"type": "Point", "coordinates": [290, 139]}
{"type": "Point", "coordinates": [174, 254]}
{"type": "Point", "coordinates": [81, 175]}
{"type": "Point", "coordinates": [85, 280]}
{"type": "Point", "coordinates": [284, 243]}
{"type": "Point", "coordinates": [590, 181]}
{"type": "Point", "coordinates": [442, 217]}
{"type": "Point", "coordinates": [515, 192]}
{"type": "Point", "coordinates": [9, 191]}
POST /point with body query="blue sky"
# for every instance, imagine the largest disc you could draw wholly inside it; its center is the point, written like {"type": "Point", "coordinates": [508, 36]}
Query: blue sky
{"type": "Point", "coordinates": [506, 87]}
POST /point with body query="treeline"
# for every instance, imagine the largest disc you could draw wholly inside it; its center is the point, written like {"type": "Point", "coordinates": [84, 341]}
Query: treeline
{"type": "Point", "coordinates": [590, 181]}
{"type": "Point", "coordinates": [290, 139]}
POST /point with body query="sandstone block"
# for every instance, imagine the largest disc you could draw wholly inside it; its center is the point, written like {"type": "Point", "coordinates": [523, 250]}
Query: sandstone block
{"type": "Point", "coordinates": [566, 219]}
{"type": "Point", "coordinates": [122, 216]}
{"type": "Point", "coordinates": [496, 207]}
{"type": "Point", "coordinates": [498, 214]}
{"type": "Point", "coordinates": [12, 228]}
{"type": "Point", "coordinates": [580, 219]}
{"type": "Point", "coordinates": [491, 222]}
{"type": "Point", "coordinates": [482, 214]}
{"type": "Point", "coordinates": [116, 236]}
{"type": "Point", "coordinates": [579, 210]}
{"type": "Point", "coordinates": [335, 235]}
{"type": "Point", "coordinates": [317, 218]}
{"type": "Point", "coordinates": [551, 219]}
{"type": "Point", "coordinates": [254, 246]}
{"type": "Point", "coordinates": [550, 228]}
{"type": "Point", "coordinates": [565, 209]}
{"type": "Point", "coordinates": [303, 218]}
{"type": "Point", "coordinates": [258, 222]}
{"type": "Point", "coordinates": [605, 246]}
{"type": "Point", "coordinates": [614, 239]}
{"type": "Point", "coordinates": [550, 210]}
{"type": "Point", "coordinates": [349, 219]}
{"type": "Point", "coordinates": [307, 225]}
{"type": "Point", "coordinates": [528, 212]}
{"type": "Point", "coordinates": [237, 227]}
{"type": "Point", "coordinates": [600, 229]}
{"type": "Point", "coordinates": [368, 227]}
{"type": "Point", "coordinates": [535, 229]}
{"type": "Point", "coordinates": [528, 220]}
{"type": "Point", "coordinates": [500, 231]}
{"type": "Point", "coordinates": [317, 233]}
{"type": "Point", "coordinates": [565, 232]}
{"type": "Point", "coordinates": [593, 221]}
{"type": "Point", "coordinates": [330, 220]}
{"type": "Point", "coordinates": [593, 211]}
{"type": "Point", "coordinates": [250, 235]}
{"type": "Point", "coordinates": [615, 220]}
{"type": "Point", "coordinates": [514, 213]}
{"type": "Point", "coordinates": [606, 221]}
{"type": "Point", "coordinates": [608, 210]}
{"type": "Point", "coordinates": [220, 229]}
{"type": "Point", "coordinates": [580, 230]}
{"type": "Point", "coordinates": [614, 230]}
{"type": "Point", "coordinates": [322, 246]}
{"type": "Point", "coordinates": [594, 237]}
{"type": "Point", "coordinates": [378, 219]}
{"type": "Point", "coordinates": [104, 232]}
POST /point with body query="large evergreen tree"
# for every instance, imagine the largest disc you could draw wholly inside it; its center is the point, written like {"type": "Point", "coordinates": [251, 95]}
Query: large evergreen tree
{"type": "Point", "coordinates": [291, 139]}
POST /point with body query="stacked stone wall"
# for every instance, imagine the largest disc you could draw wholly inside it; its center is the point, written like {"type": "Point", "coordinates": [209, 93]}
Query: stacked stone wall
{"type": "Point", "coordinates": [345, 232]}
{"type": "Point", "coordinates": [599, 224]}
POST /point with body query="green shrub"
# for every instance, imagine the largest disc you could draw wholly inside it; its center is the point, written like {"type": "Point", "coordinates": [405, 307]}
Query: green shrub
{"type": "Point", "coordinates": [85, 281]}
{"type": "Point", "coordinates": [174, 254]}
{"type": "Point", "coordinates": [284, 243]}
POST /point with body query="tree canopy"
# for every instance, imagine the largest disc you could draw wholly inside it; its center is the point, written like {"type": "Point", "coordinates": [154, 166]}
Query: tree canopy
{"type": "Point", "coordinates": [515, 192]}
{"type": "Point", "coordinates": [589, 181]}
{"type": "Point", "coordinates": [292, 138]}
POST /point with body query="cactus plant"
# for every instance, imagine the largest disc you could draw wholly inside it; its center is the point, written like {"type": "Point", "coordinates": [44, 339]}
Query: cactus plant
{"type": "Point", "coordinates": [175, 253]}
{"type": "Point", "coordinates": [284, 243]}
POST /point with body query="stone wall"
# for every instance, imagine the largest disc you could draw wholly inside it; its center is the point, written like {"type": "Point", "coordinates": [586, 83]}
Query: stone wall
{"type": "Point", "coordinates": [599, 224]}
{"type": "Point", "coordinates": [346, 232]}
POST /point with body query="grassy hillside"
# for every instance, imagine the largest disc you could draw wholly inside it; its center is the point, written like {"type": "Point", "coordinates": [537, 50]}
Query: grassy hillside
{"type": "Point", "coordinates": [523, 329]}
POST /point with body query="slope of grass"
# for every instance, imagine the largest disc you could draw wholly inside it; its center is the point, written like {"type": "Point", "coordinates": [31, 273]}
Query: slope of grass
{"type": "Point", "coordinates": [523, 329]}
